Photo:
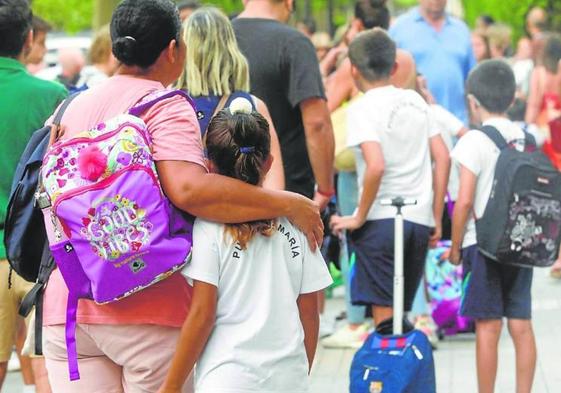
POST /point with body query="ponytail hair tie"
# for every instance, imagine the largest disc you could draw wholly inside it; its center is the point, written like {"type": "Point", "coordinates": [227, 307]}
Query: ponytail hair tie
{"type": "Point", "coordinates": [240, 105]}
{"type": "Point", "coordinates": [247, 149]}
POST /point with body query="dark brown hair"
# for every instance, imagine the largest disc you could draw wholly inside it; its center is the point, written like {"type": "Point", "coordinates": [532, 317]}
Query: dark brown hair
{"type": "Point", "coordinates": [239, 145]}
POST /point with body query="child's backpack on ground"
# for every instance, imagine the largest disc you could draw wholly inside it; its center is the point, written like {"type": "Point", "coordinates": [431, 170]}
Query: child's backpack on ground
{"type": "Point", "coordinates": [393, 364]}
{"type": "Point", "coordinates": [115, 232]}
{"type": "Point", "coordinates": [444, 289]}
{"type": "Point", "coordinates": [521, 224]}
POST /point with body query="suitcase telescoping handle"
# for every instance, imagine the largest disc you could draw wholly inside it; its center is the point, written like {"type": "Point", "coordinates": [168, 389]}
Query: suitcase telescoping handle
{"type": "Point", "coordinates": [398, 286]}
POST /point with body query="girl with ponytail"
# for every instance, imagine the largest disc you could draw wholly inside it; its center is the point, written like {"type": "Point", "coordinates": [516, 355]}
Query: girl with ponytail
{"type": "Point", "coordinates": [253, 323]}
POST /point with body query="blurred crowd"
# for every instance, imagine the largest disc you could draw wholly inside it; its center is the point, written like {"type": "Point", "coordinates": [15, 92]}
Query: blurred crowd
{"type": "Point", "coordinates": [310, 102]}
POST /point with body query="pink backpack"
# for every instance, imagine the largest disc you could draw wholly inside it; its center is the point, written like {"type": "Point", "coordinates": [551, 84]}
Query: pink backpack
{"type": "Point", "coordinates": [115, 232]}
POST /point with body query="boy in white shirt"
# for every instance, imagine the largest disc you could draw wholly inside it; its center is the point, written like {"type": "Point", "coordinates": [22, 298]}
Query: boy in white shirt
{"type": "Point", "coordinates": [492, 291]}
{"type": "Point", "coordinates": [391, 131]}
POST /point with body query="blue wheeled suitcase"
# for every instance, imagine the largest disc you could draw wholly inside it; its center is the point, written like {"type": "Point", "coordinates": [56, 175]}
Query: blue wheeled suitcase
{"type": "Point", "coordinates": [401, 361]}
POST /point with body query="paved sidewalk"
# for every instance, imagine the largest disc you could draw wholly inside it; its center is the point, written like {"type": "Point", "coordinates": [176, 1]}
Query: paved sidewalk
{"type": "Point", "coordinates": [455, 357]}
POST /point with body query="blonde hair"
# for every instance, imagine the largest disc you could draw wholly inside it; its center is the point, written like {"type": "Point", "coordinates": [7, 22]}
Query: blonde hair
{"type": "Point", "coordinates": [100, 50]}
{"type": "Point", "coordinates": [499, 36]}
{"type": "Point", "coordinates": [214, 63]}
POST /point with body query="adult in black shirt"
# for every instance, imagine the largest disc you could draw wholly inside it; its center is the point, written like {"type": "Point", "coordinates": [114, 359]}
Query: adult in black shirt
{"type": "Point", "coordinates": [284, 72]}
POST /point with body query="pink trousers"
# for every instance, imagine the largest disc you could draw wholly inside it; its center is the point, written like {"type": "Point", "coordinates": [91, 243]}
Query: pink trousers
{"type": "Point", "coordinates": [112, 358]}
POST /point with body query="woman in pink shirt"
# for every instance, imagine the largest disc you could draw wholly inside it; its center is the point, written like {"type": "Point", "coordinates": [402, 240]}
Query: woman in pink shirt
{"type": "Point", "coordinates": [127, 345]}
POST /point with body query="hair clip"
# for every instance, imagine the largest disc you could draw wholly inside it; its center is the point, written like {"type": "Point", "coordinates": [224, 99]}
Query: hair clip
{"type": "Point", "coordinates": [247, 149]}
{"type": "Point", "coordinates": [128, 37]}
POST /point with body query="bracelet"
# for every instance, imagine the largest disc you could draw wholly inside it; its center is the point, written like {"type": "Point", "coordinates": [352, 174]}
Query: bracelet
{"type": "Point", "coordinates": [326, 194]}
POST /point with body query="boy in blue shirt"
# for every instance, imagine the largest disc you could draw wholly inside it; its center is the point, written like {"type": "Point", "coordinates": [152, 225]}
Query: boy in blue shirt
{"type": "Point", "coordinates": [394, 140]}
{"type": "Point", "coordinates": [492, 291]}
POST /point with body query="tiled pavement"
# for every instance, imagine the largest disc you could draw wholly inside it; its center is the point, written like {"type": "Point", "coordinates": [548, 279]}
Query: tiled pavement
{"type": "Point", "coordinates": [455, 357]}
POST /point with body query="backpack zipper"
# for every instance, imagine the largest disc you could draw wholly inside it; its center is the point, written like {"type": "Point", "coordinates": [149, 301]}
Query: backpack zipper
{"type": "Point", "coordinates": [417, 352]}
{"type": "Point", "coordinates": [367, 371]}
{"type": "Point", "coordinates": [99, 138]}
{"type": "Point", "coordinates": [96, 186]}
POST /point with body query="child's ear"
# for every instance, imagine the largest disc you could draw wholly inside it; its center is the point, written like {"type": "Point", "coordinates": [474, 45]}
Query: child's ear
{"type": "Point", "coordinates": [354, 72]}
{"type": "Point", "coordinates": [211, 166]}
{"type": "Point", "coordinates": [267, 165]}
{"type": "Point", "coordinates": [28, 43]}
{"type": "Point", "coordinates": [394, 68]}
{"type": "Point", "coordinates": [474, 109]}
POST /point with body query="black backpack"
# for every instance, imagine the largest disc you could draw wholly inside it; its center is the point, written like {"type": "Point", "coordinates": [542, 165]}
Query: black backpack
{"type": "Point", "coordinates": [521, 224]}
{"type": "Point", "coordinates": [25, 237]}
{"type": "Point", "coordinates": [24, 229]}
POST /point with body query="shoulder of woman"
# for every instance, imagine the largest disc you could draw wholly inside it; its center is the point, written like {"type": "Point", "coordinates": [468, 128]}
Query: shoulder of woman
{"type": "Point", "coordinates": [176, 104]}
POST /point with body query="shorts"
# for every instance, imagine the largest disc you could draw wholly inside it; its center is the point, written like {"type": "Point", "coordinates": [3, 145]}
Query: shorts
{"type": "Point", "coordinates": [373, 244]}
{"type": "Point", "coordinates": [112, 358]}
{"type": "Point", "coordinates": [10, 300]}
{"type": "Point", "coordinates": [492, 290]}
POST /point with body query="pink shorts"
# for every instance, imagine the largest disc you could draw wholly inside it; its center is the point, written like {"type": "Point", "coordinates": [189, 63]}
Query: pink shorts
{"type": "Point", "coordinates": [112, 358]}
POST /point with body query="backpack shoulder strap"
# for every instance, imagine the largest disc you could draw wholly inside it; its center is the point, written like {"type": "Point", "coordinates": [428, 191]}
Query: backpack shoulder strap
{"type": "Point", "coordinates": [494, 134]}
{"type": "Point", "coordinates": [58, 115]}
{"type": "Point", "coordinates": [56, 130]}
{"type": "Point", "coordinates": [140, 108]}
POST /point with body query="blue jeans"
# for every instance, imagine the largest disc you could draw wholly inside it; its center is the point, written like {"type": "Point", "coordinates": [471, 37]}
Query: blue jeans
{"type": "Point", "coordinates": [347, 198]}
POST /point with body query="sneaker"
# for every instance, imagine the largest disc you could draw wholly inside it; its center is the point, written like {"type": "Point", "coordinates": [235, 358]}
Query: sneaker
{"type": "Point", "coordinates": [425, 324]}
{"type": "Point", "coordinates": [326, 327]}
{"type": "Point", "coordinates": [347, 337]}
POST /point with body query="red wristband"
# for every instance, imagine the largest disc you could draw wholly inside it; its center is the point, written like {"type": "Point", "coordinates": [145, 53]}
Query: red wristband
{"type": "Point", "coordinates": [326, 194]}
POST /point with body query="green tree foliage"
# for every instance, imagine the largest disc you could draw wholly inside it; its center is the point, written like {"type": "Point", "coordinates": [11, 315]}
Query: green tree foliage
{"type": "Point", "coordinates": [69, 15]}
{"type": "Point", "coordinates": [512, 12]}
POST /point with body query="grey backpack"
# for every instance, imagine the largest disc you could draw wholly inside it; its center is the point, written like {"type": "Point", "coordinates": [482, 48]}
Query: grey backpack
{"type": "Point", "coordinates": [521, 224]}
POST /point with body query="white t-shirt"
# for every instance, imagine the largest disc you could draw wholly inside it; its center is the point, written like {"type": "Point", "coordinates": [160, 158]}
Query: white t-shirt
{"type": "Point", "coordinates": [449, 126]}
{"type": "Point", "coordinates": [91, 76]}
{"type": "Point", "coordinates": [479, 154]}
{"type": "Point", "coordinates": [400, 122]}
{"type": "Point", "coordinates": [257, 344]}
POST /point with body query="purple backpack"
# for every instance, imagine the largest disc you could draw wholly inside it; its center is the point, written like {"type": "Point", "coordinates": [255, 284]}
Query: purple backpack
{"type": "Point", "coordinates": [115, 232]}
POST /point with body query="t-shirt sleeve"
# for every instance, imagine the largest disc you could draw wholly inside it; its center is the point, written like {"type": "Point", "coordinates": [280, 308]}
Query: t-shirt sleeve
{"type": "Point", "coordinates": [304, 77]}
{"type": "Point", "coordinates": [205, 262]}
{"type": "Point", "coordinates": [175, 131]}
{"type": "Point", "coordinates": [360, 127]}
{"type": "Point", "coordinates": [468, 152]}
{"type": "Point", "coordinates": [446, 121]}
{"type": "Point", "coordinates": [315, 275]}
